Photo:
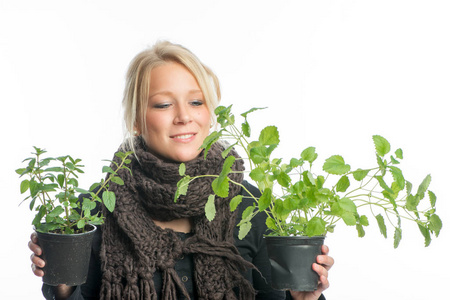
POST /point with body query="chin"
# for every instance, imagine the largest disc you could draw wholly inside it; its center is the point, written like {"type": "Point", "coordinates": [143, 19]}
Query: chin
{"type": "Point", "coordinates": [186, 157]}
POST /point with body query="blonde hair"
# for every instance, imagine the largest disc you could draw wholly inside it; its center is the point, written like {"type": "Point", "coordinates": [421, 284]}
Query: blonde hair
{"type": "Point", "coordinates": [136, 93]}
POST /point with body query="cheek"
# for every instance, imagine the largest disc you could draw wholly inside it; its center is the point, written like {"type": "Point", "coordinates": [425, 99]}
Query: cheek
{"type": "Point", "coordinates": [155, 121]}
{"type": "Point", "coordinates": [205, 120]}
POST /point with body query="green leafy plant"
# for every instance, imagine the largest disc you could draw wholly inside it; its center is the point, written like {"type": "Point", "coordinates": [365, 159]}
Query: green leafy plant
{"type": "Point", "coordinates": [52, 185]}
{"type": "Point", "coordinates": [300, 201]}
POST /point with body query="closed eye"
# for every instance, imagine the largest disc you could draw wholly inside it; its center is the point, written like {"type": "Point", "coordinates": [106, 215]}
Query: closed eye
{"type": "Point", "coordinates": [197, 102]}
{"type": "Point", "coordinates": [161, 105]}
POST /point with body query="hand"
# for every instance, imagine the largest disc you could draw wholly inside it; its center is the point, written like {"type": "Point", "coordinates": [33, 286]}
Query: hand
{"type": "Point", "coordinates": [324, 263]}
{"type": "Point", "coordinates": [62, 291]}
{"type": "Point", "coordinates": [37, 263]}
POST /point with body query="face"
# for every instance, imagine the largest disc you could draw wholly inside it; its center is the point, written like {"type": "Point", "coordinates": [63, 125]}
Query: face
{"type": "Point", "coordinates": [178, 119]}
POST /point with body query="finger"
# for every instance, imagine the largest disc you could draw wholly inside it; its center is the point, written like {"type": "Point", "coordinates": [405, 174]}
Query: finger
{"type": "Point", "coordinates": [325, 250]}
{"type": "Point", "coordinates": [34, 247]}
{"type": "Point", "coordinates": [37, 261]}
{"type": "Point", "coordinates": [37, 271]}
{"type": "Point", "coordinates": [320, 270]}
{"type": "Point", "coordinates": [324, 283]}
{"type": "Point", "coordinates": [326, 261]}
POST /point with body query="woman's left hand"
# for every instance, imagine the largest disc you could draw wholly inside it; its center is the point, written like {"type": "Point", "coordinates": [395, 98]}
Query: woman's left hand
{"type": "Point", "coordinates": [324, 263]}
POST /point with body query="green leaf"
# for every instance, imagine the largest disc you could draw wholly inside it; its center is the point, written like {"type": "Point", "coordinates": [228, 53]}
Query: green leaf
{"type": "Point", "coordinates": [56, 212]}
{"type": "Point", "coordinates": [235, 202]}
{"type": "Point", "coordinates": [246, 129]}
{"type": "Point", "coordinates": [283, 179]}
{"type": "Point", "coordinates": [221, 186]}
{"type": "Point", "coordinates": [182, 187]}
{"type": "Point", "coordinates": [381, 225]}
{"type": "Point", "coordinates": [227, 151]}
{"type": "Point", "coordinates": [109, 200]}
{"type": "Point", "coordinates": [182, 169]}
{"type": "Point", "coordinates": [426, 234]}
{"type": "Point", "coordinates": [270, 222]}
{"type": "Point", "coordinates": [81, 223]}
{"type": "Point", "coordinates": [315, 227]}
{"type": "Point", "coordinates": [32, 202]}
{"type": "Point", "coordinates": [24, 186]}
{"type": "Point", "coordinates": [92, 187]}
{"type": "Point", "coordinates": [397, 237]}
{"type": "Point", "coordinates": [21, 171]}
{"type": "Point", "coordinates": [343, 184]}
{"type": "Point", "coordinates": [308, 178]}
{"type": "Point", "coordinates": [88, 204]}
{"type": "Point", "coordinates": [269, 136]}
{"type": "Point", "coordinates": [107, 169]}
{"type": "Point", "coordinates": [257, 174]}
{"type": "Point", "coordinates": [336, 165]}
{"type": "Point", "coordinates": [244, 229]}
{"type": "Point", "coordinates": [360, 229]}
{"type": "Point", "coordinates": [244, 114]}
{"type": "Point", "coordinates": [384, 185]}
{"type": "Point", "coordinates": [408, 187]}
{"type": "Point", "coordinates": [412, 202]}
{"type": "Point", "coordinates": [360, 174]}
{"type": "Point", "coordinates": [432, 197]}
{"type": "Point", "coordinates": [349, 218]}
{"type": "Point", "coordinates": [399, 153]}
{"type": "Point", "coordinates": [117, 180]}
{"type": "Point", "coordinates": [54, 169]}
{"type": "Point", "coordinates": [72, 182]}
{"type": "Point", "coordinates": [210, 140]}
{"type": "Point", "coordinates": [265, 199]}
{"type": "Point", "coordinates": [435, 224]}
{"type": "Point", "coordinates": [364, 221]}
{"type": "Point", "coordinates": [382, 146]}
{"type": "Point", "coordinates": [394, 161]}
{"type": "Point", "coordinates": [309, 154]}
{"type": "Point", "coordinates": [61, 180]}
{"type": "Point", "coordinates": [347, 205]}
{"type": "Point", "coordinates": [398, 177]}
{"type": "Point", "coordinates": [247, 214]}
{"type": "Point", "coordinates": [258, 154]}
{"type": "Point", "coordinates": [381, 165]}
{"type": "Point", "coordinates": [424, 185]}
{"type": "Point", "coordinates": [294, 162]}
{"type": "Point", "coordinates": [210, 208]}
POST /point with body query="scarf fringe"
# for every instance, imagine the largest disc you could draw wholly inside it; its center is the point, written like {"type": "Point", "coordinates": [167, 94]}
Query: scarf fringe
{"type": "Point", "coordinates": [117, 291]}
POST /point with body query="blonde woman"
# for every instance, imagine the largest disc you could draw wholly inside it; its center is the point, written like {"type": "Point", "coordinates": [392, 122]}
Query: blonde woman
{"type": "Point", "coordinates": [152, 247]}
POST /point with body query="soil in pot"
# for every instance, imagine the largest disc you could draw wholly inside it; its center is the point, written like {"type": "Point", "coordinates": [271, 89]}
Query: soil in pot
{"type": "Point", "coordinates": [291, 259]}
{"type": "Point", "coordinates": [66, 256]}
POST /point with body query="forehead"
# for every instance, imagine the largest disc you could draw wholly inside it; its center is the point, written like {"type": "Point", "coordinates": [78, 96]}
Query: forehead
{"type": "Point", "coordinates": [170, 73]}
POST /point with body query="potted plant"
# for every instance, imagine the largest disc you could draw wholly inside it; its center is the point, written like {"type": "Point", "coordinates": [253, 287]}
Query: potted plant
{"type": "Point", "coordinates": [65, 224]}
{"type": "Point", "coordinates": [304, 204]}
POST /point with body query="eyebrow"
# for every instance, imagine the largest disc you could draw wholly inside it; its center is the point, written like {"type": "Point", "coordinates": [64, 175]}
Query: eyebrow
{"type": "Point", "coordinates": [168, 93]}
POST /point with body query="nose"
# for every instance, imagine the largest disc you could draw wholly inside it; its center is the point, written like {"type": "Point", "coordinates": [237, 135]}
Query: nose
{"type": "Point", "coordinates": [182, 116]}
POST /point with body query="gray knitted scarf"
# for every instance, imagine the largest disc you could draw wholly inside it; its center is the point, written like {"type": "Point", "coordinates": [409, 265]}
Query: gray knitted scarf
{"type": "Point", "coordinates": [134, 248]}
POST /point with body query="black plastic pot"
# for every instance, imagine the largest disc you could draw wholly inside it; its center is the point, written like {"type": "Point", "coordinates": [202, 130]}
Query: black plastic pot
{"type": "Point", "coordinates": [66, 256]}
{"type": "Point", "coordinates": [291, 259]}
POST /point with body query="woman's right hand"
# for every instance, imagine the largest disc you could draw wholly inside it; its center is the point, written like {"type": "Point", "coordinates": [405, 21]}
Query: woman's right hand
{"type": "Point", "coordinates": [37, 263]}
{"type": "Point", "coordinates": [62, 291]}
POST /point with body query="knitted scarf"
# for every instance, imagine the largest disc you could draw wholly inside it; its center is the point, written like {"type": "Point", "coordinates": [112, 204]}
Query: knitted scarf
{"type": "Point", "coordinates": [134, 248]}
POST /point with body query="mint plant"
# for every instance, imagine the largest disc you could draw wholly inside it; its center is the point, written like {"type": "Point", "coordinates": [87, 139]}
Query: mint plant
{"type": "Point", "coordinates": [52, 184]}
{"type": "Point", "coordinates": [300, 201]}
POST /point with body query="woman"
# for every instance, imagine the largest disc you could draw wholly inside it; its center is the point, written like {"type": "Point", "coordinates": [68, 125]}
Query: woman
{"type": "Point", "coordinates": [152, 247]}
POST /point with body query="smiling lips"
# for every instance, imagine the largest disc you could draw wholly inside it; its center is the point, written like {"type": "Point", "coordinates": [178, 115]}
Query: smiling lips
{"type": "Point", "coordinates": [183, 137]}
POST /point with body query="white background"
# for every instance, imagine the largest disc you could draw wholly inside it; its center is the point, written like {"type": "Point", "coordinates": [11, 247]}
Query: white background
{"type": "Point", "coordinates": [332, 73]}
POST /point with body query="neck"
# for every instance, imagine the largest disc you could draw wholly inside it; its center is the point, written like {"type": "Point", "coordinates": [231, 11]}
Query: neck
{"type": "Point", "coordinates": [179, 225]}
